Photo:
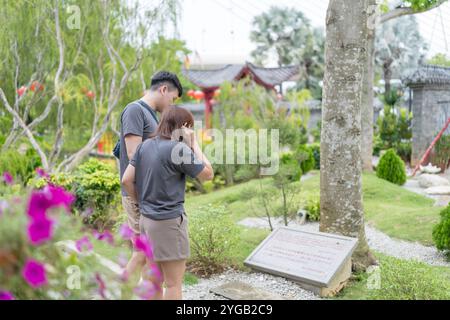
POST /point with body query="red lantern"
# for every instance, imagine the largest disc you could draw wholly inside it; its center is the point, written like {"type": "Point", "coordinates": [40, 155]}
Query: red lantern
{"type": "Point", "coordinates": [21, 91]}
{"type": "Point", "coordinates": [90, 94]}
{"type": "Point", "coordinates": [191, 93]}
{"type": "Point", "coordinates": [199, 95]}
{"type": "Point", "coordinates": [216, 93]}
{"type": "Point", "coordinates": [36, 85]}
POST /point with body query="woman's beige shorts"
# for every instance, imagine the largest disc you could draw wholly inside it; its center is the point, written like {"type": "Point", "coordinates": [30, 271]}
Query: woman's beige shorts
{"type": "Point", "coordinates": [170, 238]}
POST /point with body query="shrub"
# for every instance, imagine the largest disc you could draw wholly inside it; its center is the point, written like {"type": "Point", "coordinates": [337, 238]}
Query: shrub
{"type": "Point", "coordinates": [315, 147]}
{"type": "Point", "coordinates": [289, 167]}
{"type": "Point", "coordinates": [441, 232]}
{"type": "Point", "coordinates": [392, 168]}
{"type": "Point", "coordinates": [441, 154]}
{"type": "Point", "coordinates": [96, 186]}
{"type": "Point", "coordinates": [409, 280]}
{"type": "Point", "coordinates": [404, 150]}
{"type": "Point", "coordinates": [21, 166]}
{"type": "Point", "coordinates": [304, 155]}
{"type": "Point", "coordinates": [213, 236]}
{"type": "Point", "coordinates": [312, 209]}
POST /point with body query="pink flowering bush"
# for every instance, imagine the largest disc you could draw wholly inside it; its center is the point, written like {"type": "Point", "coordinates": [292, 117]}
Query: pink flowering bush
{"type": "Point", "coordinates": [33, 264]}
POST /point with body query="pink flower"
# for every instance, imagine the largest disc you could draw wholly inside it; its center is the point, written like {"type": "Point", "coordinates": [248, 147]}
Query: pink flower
{"type": "Point", "coordinates": [38, 205]}
{"type": "Point", "coordinates": [41, 173]}
{"type": "Point", "coordinates": [101, 285]}
{"type": "Point", "coordinates": [40, 230]}
{"type": "Point", "coordinates": [49, 197]}
{"type": "Point", "coordinates": [5, 295]}
{"type": "Point", "coordinates": [141, 243]}
{"type": "Point", "coordinates": [84, 244]}
{"type": "Point", "coordinates": [58, 197]}
{"type": "Point", "coordinates": [3, 206]}
{"type": "Point", "coordinates": [34, 274]}
{"type": "Point", "coordinates": [105, 236]}
{"type": "Point", "coordinates": [8, 178]}
{"type": "Point", "coordinates": [126, 232]}
{"type": "Point", "coordinates": [146, 290]}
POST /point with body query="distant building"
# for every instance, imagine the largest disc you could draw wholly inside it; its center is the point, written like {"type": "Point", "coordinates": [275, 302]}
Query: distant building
{"type": "Point", "coordinates": [430, 106]}
{"type": "Point", "coordinates": [209, 80]}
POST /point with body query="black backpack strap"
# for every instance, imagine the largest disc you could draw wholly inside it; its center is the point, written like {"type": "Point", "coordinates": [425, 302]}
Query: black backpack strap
{"type": "Point", "coordinates": [152, 112]}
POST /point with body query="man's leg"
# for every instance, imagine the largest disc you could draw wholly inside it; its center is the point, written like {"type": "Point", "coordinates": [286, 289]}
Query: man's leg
{"type": "Point", "coordinates": [173, 272]}
{"type": "Point", "coordinates": [138, 260]}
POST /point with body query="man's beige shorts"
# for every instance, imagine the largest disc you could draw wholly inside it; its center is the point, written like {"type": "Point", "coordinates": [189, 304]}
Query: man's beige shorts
{"type": "Point", "coordinates": [132, 209]}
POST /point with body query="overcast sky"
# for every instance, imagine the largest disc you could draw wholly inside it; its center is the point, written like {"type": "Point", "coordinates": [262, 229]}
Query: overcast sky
{"type": "Point", "coordinates": [222, 27]}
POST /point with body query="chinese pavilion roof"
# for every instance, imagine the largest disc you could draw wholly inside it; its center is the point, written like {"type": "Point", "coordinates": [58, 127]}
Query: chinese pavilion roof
{"type": "Point", "coordinates": [429, 74]}
{"type": "Point", "coordinates": [267, 77]}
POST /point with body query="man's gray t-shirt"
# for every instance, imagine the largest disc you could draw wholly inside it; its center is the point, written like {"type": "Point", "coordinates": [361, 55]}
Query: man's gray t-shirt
{"type": "Point", "coordinates": [136, 120]}
{"type": "Point", "coordinates": [161, 169]}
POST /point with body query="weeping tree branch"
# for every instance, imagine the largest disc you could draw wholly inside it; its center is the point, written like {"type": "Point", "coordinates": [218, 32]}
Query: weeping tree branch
{"type": "Point", "coordinates": [403, 11]}
{"type": "Point", "coordinates": [28, 133]}
{"type": "Point", "coordinates": [114, 95]}
{"type": "Point", "coordinates": [60, 117]}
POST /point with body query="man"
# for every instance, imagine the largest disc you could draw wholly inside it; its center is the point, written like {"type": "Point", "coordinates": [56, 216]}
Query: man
{"type": "Point", "coordinates": [138, 123]}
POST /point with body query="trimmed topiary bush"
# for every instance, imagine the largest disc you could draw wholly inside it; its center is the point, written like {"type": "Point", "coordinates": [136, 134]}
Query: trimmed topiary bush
{"type": "Point", "coordinates": [441, 232]}
{"type": "Point", "coordinates": [392, 168]}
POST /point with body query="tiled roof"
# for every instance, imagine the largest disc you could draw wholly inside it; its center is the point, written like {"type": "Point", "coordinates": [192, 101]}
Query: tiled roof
{"type": "Point", "coordinates": [209, 79]}
{"type": "Point", "coordinates": [429, 74]}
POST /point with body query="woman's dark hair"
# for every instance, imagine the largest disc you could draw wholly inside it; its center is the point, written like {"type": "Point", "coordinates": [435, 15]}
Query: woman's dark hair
{"type": "Point", "coordinates": [173, 118]}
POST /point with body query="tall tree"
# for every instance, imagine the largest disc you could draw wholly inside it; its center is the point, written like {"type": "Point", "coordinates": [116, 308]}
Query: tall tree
{"type": "Point", "coordinates": [380, 14]}
{"type": "Point", "coordinates": [83, 70]}
{"type": "Point", "coordinates": [280, 33]}
{"type": "Point", "coordinates": [340, 174]}
{"type": "Point", "coordinates": [399, 48]}
{"type": "Point", "coordinates": [286, 35]}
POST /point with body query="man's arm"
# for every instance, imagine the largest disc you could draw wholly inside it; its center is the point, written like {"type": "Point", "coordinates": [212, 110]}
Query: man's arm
{"type": "Point", "coordinates": [128, 182]}
{"type": "Point", "coordinates": [132, 142]}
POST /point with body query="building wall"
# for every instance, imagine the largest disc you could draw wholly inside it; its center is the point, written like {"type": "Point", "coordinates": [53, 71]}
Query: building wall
{"type": "Point", "coordinates": [431, 108]}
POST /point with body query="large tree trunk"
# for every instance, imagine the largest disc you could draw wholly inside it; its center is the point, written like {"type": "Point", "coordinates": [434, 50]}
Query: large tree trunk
{"type": "Point", "coordinates": [340, 176]}
{"type": "Point", "coordinates": [367, 113]}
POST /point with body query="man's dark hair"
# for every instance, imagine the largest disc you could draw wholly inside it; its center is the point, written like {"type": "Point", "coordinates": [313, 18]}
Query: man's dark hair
{"type": "Point", "coordinates": [166, 78]}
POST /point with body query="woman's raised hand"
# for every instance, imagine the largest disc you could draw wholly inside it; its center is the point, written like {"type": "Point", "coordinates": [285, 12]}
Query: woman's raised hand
{"type": "Point", "coordinates": [188, 135]}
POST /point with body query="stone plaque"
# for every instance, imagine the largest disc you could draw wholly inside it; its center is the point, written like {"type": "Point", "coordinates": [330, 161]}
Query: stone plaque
{"type": "Point", "coordinates": [312, 258]}
{"type": "Point", "coordinates": [237, 290]}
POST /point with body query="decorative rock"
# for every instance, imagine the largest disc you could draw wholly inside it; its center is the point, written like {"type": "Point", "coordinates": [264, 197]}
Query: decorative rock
{"type": "Point", "coordinates": [431, 180]}
{"type": "Point", "coordinates": [440, 190]}
{"type": "Point", "coordinates": [430, 169]}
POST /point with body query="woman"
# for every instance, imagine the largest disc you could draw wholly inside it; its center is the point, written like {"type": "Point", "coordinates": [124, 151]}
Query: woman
{"type": "Point", "coordinates": [156, 179]}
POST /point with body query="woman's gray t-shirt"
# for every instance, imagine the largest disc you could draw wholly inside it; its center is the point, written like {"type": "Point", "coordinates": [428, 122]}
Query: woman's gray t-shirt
{"type": "Point", "coordinates": [161, 168]}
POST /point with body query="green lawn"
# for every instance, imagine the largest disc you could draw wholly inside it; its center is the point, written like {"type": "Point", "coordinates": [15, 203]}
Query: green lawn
{"type": "Point", "coordinates": [392, 209]}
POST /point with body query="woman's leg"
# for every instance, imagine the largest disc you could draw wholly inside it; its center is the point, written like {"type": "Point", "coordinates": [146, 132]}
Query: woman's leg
{"type": "Point", "coordinates": [173, 273]}
{"type": "Point", "coordinates": [154, 275]}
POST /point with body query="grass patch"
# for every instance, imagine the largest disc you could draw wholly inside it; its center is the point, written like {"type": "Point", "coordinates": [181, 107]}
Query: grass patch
{"type": "Point", "coordinates": [400, 280]}
{"type": "Point", "coordinates": [190, 279]}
